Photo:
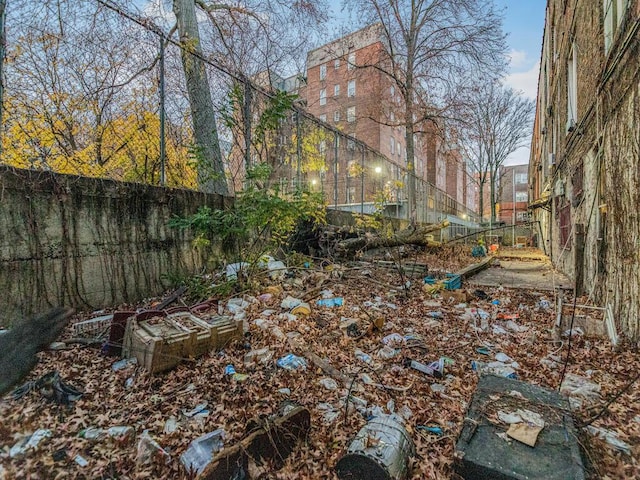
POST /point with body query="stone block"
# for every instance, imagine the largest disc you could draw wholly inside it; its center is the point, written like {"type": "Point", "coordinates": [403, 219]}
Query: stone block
{"type": "Point", "coordinates": [483, 455]}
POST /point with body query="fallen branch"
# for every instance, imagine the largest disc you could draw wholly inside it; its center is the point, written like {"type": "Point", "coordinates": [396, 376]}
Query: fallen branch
{"type": "Point", "coordinates": [411, 236]}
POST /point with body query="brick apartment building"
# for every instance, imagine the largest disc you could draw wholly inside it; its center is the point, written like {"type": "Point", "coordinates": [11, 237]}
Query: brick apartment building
{"type": "Point", "coordinates": [585, 152]}
{"type": "Point", "coordinates": [513, 195]}
{"type": "Point", "coordinates": [343, 88]}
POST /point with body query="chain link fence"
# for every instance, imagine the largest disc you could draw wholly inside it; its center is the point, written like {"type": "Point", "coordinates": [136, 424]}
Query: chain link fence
{"type": "Point", "coordinates": [96, 91]}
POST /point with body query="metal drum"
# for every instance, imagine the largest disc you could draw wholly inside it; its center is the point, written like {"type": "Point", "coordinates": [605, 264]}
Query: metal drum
{"type": "Point", "coordinates": [380, 451]}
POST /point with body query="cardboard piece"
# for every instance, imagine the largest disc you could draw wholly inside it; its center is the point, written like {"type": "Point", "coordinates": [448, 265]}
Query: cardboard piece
{"type": "Point", "coordinates": [524, 433]}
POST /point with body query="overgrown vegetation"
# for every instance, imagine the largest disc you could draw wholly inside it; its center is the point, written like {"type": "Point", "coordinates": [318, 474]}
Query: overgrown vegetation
{"type": "Point", "coordinates": [261, 221]}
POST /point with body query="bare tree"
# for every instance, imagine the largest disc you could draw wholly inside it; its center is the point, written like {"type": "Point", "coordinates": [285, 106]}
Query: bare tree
{"type": "Point", "coordinates": [497, 123]}
{"type": "Point", "coordinates": [433, 46]}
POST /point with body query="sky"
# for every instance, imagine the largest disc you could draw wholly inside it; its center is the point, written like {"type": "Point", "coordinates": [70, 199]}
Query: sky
{"type": "Point", "coordinates": [523, 24]}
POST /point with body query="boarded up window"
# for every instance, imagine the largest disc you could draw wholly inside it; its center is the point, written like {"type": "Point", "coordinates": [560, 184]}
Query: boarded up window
{"type": "Point", "coordinates": [564, 223]}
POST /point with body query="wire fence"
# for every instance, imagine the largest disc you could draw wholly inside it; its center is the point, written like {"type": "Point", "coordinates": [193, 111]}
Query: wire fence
{"type": "Point", "coordinates": [97, 91]}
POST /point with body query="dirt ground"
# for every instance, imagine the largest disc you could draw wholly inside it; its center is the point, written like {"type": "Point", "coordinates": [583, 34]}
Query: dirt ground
{"type": "Point", "coordinates": [431, 328]}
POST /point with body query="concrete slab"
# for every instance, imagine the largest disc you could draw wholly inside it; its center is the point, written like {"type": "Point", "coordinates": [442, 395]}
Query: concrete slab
{"type": "Point", "coordinates": [521, 268]}
{"type": "Point", "coordinates": [482, 455]}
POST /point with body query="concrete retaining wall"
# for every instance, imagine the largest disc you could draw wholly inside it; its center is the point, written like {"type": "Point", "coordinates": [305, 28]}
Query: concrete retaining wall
{"type": "Point", "coordinates": [89, 243]}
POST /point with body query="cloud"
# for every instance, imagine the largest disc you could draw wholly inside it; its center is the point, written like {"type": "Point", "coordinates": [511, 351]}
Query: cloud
{"type": "Point", "coordinates": [526, 82]}
{"type": "Point", "coordinates": [517, 58]}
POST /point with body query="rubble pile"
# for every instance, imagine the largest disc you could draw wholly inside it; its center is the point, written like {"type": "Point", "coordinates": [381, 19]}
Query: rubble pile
{"type": "Point", "coordinates": [348, 344]}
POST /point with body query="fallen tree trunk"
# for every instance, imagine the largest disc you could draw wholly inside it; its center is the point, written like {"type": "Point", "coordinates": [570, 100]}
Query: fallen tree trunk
{"type": "Point", "coordinates": [411, 236]}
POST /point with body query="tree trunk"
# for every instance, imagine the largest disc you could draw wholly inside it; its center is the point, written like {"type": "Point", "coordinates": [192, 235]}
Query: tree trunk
{"type": "Point", "coordinates": [211, 173]}
{"type": "Point", "coordinates": [481, 199]}
{"type": "Point", "coordinates": [410, 236]}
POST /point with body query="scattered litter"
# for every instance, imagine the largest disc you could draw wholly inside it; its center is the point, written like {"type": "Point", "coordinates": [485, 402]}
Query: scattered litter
{"type": "Point", "coordinates": [80, 460]}
{"type": "Point", "coordinates": [122, 434]}
{"type": "Point", "coordinates": [292, 362]}
{"type": "Point", "coordinates": [574, 332]}
{"type": "Point", "coordinates": [438, 388]}
{"type": "Point", "coordinates": [503, 357]}
{"type": "Point", "coordinates": [328, 383]}
{"type": "Point", "coordinates": [544, 304]}
{"type": "Point", "coordinates": [393, 340]}
{"type": "Point", "coordinates": [611, 438]}
{"type": "Point", "coordinates": [301, 309]}
{"type": "Point", "coordinates": [284, 391]}
{"type": "Point", "coordinates": [261, 356]}
{"type": "Point", "coordinates": [124, 363]}
{"type": "Point", "coordinates": [290, 302]}
{"type": "Point", "coordinates": [201, 451]}
{"type": "Point", "coordinates": [29, 442]}
{"type": "Point", "coordinates": [524, 433]}
{"type": "Point", "coordinates": [514, 327]}
{"type": "Point", "coordinates": [579, 389]}
{"type": "Point", "coordinates": [496, 368]}
{"type": "Point", "coordinates": [330, 413]}
{"type": "Point", "coordinates": [330, 302]}
{"type": "Point", "coordinates": [201, 407]}
{"type": "Point", "coordinates": [50, 387]}
{"type": "Point", "coordinates": [498, 330]}
{"type": "Point", "coordinates": [483, 350]}
{"type": "Point", "coordinates": [363, 357]}
{"type": "Point", "coordinates": [435, 369]}
{"type": "Point", "coordinates": [234, 269]}
{"type": "Point", "coordinates": [435, 430]}
{"type": "Point", "coordinates": [387, 352]}
{"type": "Point", "coordinates": [171, 425]}
{"type": "Point", "coordinates": [149, 451]}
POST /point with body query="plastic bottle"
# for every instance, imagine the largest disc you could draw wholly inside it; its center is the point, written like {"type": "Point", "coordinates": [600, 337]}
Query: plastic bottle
{"type": "Point", "coordinates": [201, 450]}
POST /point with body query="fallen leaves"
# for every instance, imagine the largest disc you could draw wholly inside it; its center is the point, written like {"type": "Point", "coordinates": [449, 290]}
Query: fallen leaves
{"type": "Point", "coordinates": [149, 401]}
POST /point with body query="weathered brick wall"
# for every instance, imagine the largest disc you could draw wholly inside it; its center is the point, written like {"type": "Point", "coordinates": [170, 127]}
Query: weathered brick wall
{"type": "Point", "coordinates": [597, 170]}
{"type": "Point", "coordinates": [88, 243]}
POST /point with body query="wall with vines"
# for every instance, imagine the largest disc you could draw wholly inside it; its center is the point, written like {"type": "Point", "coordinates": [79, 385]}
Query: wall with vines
{"type": "Point", "coordinates": [89, 243]}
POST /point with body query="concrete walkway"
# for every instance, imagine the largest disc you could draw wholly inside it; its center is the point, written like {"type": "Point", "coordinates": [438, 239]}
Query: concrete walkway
{"type": "Point", "coordinates": [521, 268]}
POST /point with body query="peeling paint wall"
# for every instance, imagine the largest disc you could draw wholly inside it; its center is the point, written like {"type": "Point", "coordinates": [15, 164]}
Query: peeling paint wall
{"type": "Point", "coordinates": [89, 243]}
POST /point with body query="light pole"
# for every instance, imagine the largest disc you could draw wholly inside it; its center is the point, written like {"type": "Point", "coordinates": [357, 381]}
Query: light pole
{"type": "Point", "coordinates": [513, 207]}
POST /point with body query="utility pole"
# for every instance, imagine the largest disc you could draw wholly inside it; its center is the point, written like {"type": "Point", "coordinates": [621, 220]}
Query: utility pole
{"type": "Point", "coordinates": [3, 4]}
{"type": "Point", "coordinates": [163, 178]}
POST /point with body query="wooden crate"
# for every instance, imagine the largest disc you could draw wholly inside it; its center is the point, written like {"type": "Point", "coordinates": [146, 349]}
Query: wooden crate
{"type": "Point", "coordinates": [224, 330]}
{"type": "Point", "coordinates": [157, 343]}
{"type": "Point", "coordinates": [160, 341]}
{"type": "Point", "coordinates": [200, 332]}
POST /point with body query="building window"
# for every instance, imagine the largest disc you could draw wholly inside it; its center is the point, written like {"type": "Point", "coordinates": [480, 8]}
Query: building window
{"type": "Point", "coordinates": [336, 90]}
{"type": "Point", "coordinates": [323, 72]}
{"type": "Point", "coordinates": [351, 114]}
{"type": "Point", "coordinates": [522, 178]}
{"type": "Point", "coordinates": [351, 88]}
{"type": "Point", "coordinates": [322, 148]}
{"type": "Point", "coordinates": [351, 145]}
{"type": "Point", "coordinates": [392, 145]}
{"type": "Point", "coordinates": [521, 197]}
{"type": "Point", "coordinates": [614, 11]}
{"type": "Point", "coordinates": [336, 64]}
{"type": "Point", "coordinates": [522, 216]}
{"type": "Point", "coordinates": [323, 96]}
{"type": "Point", "coordinates": [323, 117]}
{"type": "Point", "coordinates": [572, 90]}
{"type": "Point", "coordinates": [351, 61]}
{"type": "Point", "coordinates": [392, 90]}
{"type": "Point", "coordinates": [336, 116]}
{"type": "Point", "coordinates": [564, 212]}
